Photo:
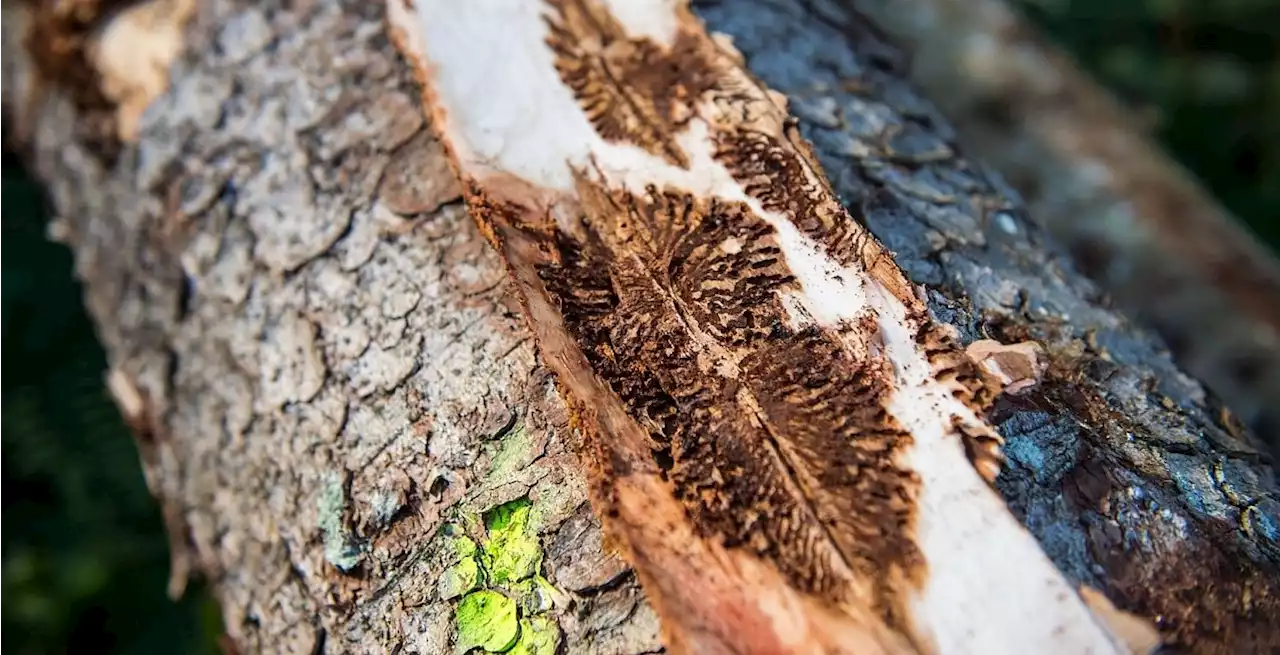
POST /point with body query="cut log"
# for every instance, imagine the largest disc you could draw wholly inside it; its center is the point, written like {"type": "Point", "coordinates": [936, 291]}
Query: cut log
{"type": "Point", "coordinates": [342, 410]}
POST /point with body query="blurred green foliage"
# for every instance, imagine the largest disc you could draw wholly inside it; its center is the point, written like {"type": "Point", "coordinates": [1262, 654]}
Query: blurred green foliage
{"type": "Point", "coordinates": [85, 558]}
{"type": "Point", "coordinates": [84, 554]}
{"type": "Point", "coordinates": [1207, 71]}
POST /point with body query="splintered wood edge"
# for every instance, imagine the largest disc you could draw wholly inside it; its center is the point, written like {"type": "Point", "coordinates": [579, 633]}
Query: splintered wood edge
{"type": "Point", "coordinates": [520, 136]}
{"type": "Point", "coordinates": [112, 57]}
{"type": "Point", "coordinates": [133, 54]}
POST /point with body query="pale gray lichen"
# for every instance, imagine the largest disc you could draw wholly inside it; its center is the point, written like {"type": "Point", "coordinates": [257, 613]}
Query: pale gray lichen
{"type": "Point", "coordinates": [384, 506]}
{"type": "Point", "coordinates": [536, 595]}
{"type": "Point", "coordinates": [341, 548]}
{"type": "Point", "coordinates": [514, 452]}
{"type": "Point", "coordinates": [459, 578]}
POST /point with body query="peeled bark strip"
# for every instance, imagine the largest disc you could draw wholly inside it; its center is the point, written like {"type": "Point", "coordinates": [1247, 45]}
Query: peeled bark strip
{"type": "Point", "coordinates": [779, 427]}
{"type": "Point", "coordinates": [1142, 226]}
{"type": "Point", "coordinates": [339, 405]}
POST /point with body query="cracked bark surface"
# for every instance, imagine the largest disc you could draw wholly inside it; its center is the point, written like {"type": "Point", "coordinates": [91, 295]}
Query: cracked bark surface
{"type": "Point", "coordinates": [284, 273]}
{"type": "Point", "coordinates": [289, 289]}
{"type": "Point", "coordinates": [1138, 223]}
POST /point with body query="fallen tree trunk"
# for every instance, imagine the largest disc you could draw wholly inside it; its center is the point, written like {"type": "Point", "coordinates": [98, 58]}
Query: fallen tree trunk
{"type": "Point", "coordinates": [345, 418]}
{"type": "Point", "coordinates": [1137, 223]}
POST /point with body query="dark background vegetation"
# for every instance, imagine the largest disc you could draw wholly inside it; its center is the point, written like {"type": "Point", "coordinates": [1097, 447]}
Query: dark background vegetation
{"type": "Point", "coordinates": [84, 555]}
{"type": "Point", "coordinates": [1207, 73]}
{"type": "Point", "coordinates": [85, 558]}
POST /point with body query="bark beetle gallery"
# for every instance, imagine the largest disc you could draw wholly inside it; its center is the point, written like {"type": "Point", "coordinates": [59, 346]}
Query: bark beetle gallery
{"type": "Point", "coordinates": [788, 449]}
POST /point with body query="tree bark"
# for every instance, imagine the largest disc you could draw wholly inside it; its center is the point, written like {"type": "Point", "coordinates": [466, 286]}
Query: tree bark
{"type": "Point", "coordinates": [1136, 221]}
{"type": "Point", "coordinates": [334, 394]}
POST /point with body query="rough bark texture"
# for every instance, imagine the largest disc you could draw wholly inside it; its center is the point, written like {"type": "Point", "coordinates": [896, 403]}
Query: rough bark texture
{"type": "Point", "coordinates": [327, 364]}
{"type": "Point", "coordinates": [321, 357]}
{"type": "Point", "coordinates": [1136, 221]}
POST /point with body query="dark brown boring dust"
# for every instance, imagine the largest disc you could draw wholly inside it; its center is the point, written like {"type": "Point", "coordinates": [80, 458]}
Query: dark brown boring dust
{"type": "Point", "coordinates": [775, 175]}
{"type": "Point", "coordinates": [632, 90]}
{"type": "Point", "coordinates": [971, 386]}
{"type": "Point", "coordinates": [774, 440]}
{"type": "Point", "coordinates": [842, 444]}
{"type": "Point", "coordinates": [776, 170]}
{"type": "Point", "coordinates": [949, 364]}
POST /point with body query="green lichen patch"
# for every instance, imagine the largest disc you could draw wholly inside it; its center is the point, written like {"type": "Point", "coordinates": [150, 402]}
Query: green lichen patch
{"type": "Point", "coordinates": [512, 551]}
{"type": "Point", "coordinates": [538, 636]}
{"type": "Point", "coordinates": [459, 578]}
{"type": "Point", "coordinates": [464, 571]}
{"type": "Point", "coordinates": [513, 453]}
{"type": "Point", "coordinates": [487, 620]}
{"type": "Point", "coordinates": [536, 594]}
{"type": "Point", "coordinates": [460, 545]}
{"type": "Point", "coordinates": [506, 604]}
{"type": "Point", "coordinates": [464, 547]}
{"type": "Point", "coordinates": [340, 546]}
